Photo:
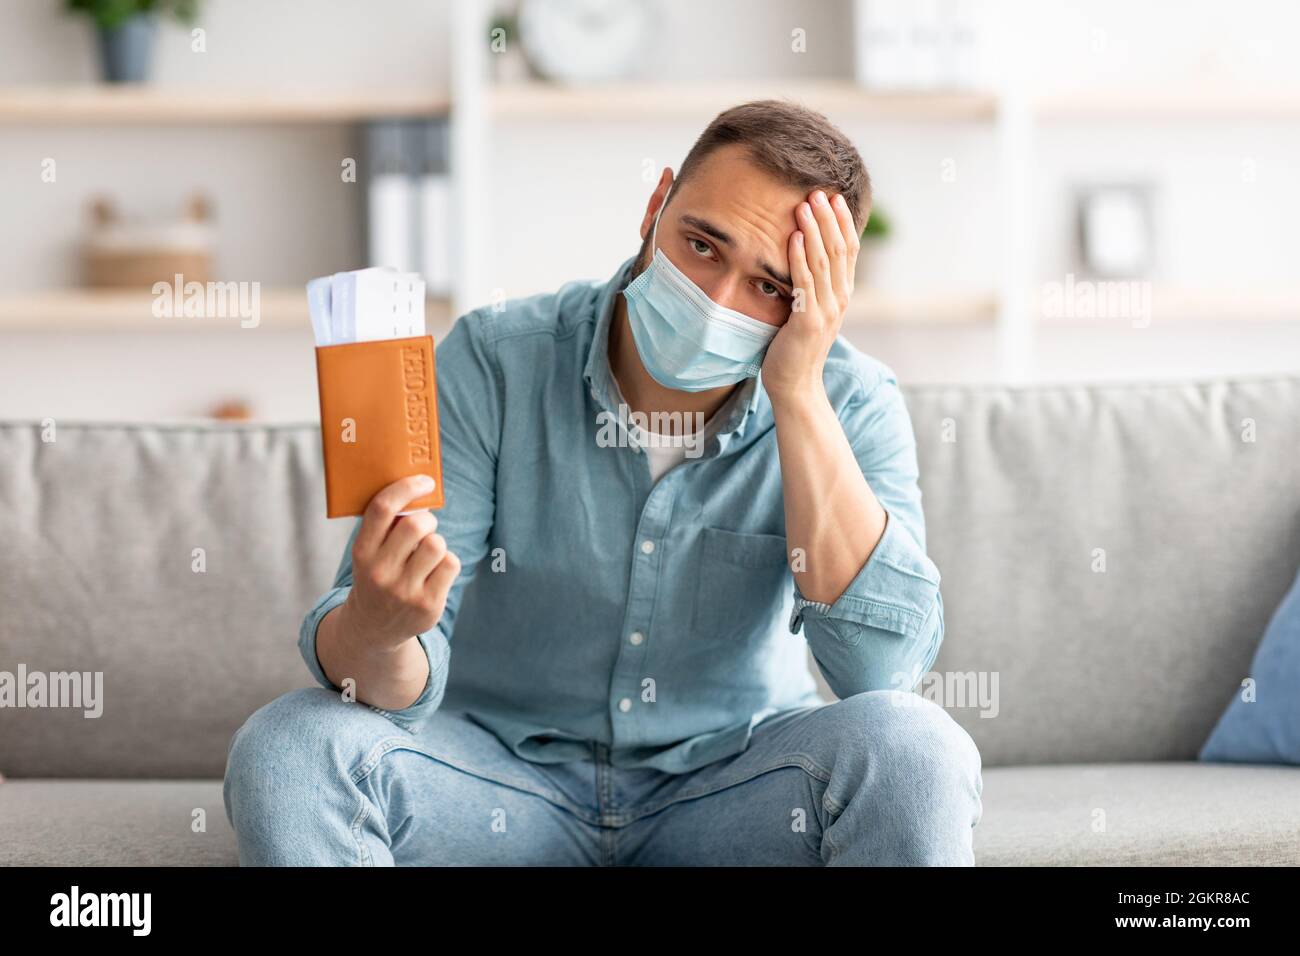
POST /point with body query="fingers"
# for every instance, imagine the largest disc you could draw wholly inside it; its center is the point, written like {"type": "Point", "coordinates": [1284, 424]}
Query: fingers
{"type": "Point", "coordinates": [438, 585]}
{"type": "Point", "coordinates": [383, 510]}
{"type": "Point", "coordinates": [428, 552]}
{"type": "Point", "coordinates": [819, 262]}
{"type": "Point", "coordinates": [406, 534]}
{"type": "Point", "coordinates": [800, 274]}
{"type": "Point", "coordinates": [852, 242]}
{"type": "Point", "coordinates": [831, 233]}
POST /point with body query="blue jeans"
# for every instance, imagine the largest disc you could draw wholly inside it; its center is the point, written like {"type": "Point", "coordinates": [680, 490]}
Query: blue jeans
{"type": "Point", "coordinates": [878, 778]}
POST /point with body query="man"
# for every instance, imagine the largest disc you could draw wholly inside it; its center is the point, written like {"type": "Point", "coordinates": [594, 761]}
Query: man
{"type": "Point", "coordinates": [593, 654]}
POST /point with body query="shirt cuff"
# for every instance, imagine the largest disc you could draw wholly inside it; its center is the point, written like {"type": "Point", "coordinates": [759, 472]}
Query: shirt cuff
{"type": "Point", "coordinates": [436, 648]}
{"type": "Point", "coordinates": [307, 633]}
{"type": "Point", "coordinates": [895, 590]}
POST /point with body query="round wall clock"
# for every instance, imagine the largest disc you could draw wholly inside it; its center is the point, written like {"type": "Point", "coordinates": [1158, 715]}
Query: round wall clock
{"type": "Point", "coordinates": [583, 41]}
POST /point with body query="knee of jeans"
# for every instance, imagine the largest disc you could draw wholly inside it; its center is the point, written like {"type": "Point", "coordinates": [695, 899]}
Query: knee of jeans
{"type": "Point", "coordinates": [905, 734]}
{"type": "Point", "coordinates": [300, 735]}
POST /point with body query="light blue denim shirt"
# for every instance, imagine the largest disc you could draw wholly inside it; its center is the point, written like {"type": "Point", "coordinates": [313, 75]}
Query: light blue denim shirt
{"type": "Point", "coordinates": [659, 619]}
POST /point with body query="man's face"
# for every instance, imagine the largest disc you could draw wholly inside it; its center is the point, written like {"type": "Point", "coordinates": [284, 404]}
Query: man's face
{"type": "Point", "coordinates": [728, 228]}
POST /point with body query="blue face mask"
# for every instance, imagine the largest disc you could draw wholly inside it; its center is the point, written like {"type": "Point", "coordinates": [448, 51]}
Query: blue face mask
{"type": "Point", "coordinates": [686, 340]}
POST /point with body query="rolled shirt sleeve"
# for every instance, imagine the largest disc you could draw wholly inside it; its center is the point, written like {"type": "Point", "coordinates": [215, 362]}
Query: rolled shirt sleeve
{"type": "Point", "coordinates": [435, 644]}
{"type": "Point", "coordinates": [469, 414]}
{"type": "Point", "coordinates": [885, 628]}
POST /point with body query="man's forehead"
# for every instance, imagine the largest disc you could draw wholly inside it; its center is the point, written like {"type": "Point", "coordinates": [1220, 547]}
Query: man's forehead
{"type": "Point", "coordinates": [729, 179]}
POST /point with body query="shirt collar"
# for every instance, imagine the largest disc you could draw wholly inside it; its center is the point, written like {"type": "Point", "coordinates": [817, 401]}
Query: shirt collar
{"type": "Point", "coordinates": [730, 419]}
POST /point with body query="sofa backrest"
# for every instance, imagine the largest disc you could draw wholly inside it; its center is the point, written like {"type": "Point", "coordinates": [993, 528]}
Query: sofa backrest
{"type": "Point", "coordinates": [102, 571]}
{"type": "Point", "coordinates": [178, 559]}
{"type": "Point", "coordinates": [1112, 553]}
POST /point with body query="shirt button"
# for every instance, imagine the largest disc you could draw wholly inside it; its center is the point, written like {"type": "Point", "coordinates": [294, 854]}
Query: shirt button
{"type": "Point", "coordinates": [636, 638]}
{"type": "Point", "coordinates": [625, 704]}
{"type": "Point", "coordinates": [647, 546]}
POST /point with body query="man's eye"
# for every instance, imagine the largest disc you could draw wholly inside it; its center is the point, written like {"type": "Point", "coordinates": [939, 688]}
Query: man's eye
{"type": "Point", "coordinates": [769, 290]}
{"type": "Point", "coordinates": [701, 247]}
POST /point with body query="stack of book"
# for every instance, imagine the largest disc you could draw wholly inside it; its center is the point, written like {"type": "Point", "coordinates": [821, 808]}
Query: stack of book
{"type": "Point", "coordinates": [408, 199]}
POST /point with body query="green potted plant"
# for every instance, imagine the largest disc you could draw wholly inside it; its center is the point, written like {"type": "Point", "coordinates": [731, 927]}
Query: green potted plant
{"type": "Point", "coordinates": [874, 233]}
{"type": "Point", "coordinates": [126, 30]}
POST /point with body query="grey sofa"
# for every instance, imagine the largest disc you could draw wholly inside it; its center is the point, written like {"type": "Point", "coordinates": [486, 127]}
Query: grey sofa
{"type": "Point", "coordinates": [1110, 556]}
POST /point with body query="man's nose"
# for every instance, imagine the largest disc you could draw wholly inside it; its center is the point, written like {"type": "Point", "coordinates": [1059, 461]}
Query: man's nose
{"type": "Point", "coordinates": [726, 291]}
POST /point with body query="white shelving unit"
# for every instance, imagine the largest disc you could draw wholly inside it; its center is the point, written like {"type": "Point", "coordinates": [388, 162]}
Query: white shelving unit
{"type": "Point", "coordinates": [536, 101]}
{"type": "Point", "coordinates": [473, 106]}
{"type": "Point", "coordinates": [1182, 303]}
{"type": "Point", "coordinates": [129, 105]}
{"type": "Point", "coordinates": [476, 108]}
{"type": "Point", "coordinates": [1139, 111]}
{"type": "Point", "coordinates": [111, 310]}
{"type": "Point", "coordinates": [100, 310]}
{"type": "Point", "coordinates": [1188, 106]}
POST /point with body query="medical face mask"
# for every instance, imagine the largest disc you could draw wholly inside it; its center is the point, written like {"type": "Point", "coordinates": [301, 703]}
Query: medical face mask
{"type": "Point", "coordinates": [686, 340]}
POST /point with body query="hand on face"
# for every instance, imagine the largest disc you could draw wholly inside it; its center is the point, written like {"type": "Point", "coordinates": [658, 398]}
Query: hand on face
{"type": "Point", "coordinates": [823, 252]}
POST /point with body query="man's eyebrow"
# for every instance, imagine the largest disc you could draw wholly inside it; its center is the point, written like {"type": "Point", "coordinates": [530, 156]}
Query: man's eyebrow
{"type": "Point", "coordinates": [781, 277]}
{"type": "Point", "coordinates": [709, 229]}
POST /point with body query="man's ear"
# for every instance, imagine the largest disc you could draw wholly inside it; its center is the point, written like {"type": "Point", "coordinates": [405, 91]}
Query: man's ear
{"type": "Point", "coordinates": [656, 200]}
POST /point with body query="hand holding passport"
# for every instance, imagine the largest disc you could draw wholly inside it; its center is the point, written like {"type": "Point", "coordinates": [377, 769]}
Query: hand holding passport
{"type": "Point", "coordinates": [378, 394]}
{"type": "Point", "coordinates": [379, 434]}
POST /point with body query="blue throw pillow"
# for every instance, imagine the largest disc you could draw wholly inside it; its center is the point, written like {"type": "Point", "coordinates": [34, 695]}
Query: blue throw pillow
{"type": "Point", "coordinates": [1266, 729]}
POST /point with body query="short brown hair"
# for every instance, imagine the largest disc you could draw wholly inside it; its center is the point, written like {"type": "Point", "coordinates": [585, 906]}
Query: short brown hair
{"type": "Point", "coordinates": [797, 145]}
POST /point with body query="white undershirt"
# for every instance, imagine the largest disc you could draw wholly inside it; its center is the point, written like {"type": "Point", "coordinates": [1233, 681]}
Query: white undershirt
{"type": "Point", "coordinates": [663, 457]}
{"type": "Point", "coordinates": [663, 453]}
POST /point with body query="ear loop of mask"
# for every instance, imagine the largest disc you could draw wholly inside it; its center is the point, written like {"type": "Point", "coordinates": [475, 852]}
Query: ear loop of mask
{"type": "Point", "coordinates": [654, 232]}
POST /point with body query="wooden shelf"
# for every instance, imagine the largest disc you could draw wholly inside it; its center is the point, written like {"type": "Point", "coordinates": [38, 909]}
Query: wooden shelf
{"type": "Point", "coordinates": [1185, 106]}
{"type": "Point", "coordinates": [638, 102]}
{"type": "Point", "coordinates": [163, 106]}
{"type": "Point", "coordinates": [869, 307]}
{"type": "Point", "coordinates": [102, 310]}
{"type": "Point", "coordinates": [91, 310]}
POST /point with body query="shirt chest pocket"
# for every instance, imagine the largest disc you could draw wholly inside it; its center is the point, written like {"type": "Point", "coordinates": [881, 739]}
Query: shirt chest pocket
{"type": "Point", "coordinates": [741, 584]}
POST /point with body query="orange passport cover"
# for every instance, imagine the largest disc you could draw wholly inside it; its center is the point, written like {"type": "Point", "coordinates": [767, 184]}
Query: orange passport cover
{"type": "Point", "coordinates": [378, 420]}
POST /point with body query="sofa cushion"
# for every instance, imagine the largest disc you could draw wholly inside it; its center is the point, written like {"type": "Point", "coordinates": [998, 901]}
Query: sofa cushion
{"type": "Point", "coordinates": [1184, 814]}
{"type": "Point", "coordinates": [1170, 814]}
{"type": "Point", "coordinates": [113, 823]}
{"type": "Point", "coordinates": [1264, 725]}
